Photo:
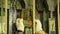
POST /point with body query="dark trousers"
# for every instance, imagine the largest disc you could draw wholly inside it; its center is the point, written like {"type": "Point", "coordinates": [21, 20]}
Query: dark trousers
{"type": "Point", "coordinates": [14, 28]}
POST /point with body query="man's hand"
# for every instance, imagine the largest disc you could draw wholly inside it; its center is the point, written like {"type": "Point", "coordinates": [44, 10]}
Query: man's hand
{"type": "Point", "coordinates": [41, 32]}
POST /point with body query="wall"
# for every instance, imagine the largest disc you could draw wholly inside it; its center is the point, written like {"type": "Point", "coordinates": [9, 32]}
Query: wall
{"type": "Point", "coordinates": [2, 3]}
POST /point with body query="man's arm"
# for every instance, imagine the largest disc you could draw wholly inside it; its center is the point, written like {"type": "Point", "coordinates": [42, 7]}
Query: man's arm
{"type": "Point", "coordinates": [39, 29]}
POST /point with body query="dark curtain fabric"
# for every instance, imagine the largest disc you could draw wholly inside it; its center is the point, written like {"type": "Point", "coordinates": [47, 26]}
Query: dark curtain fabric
{"type": "Point", "coordinates": [15, 31]}
{"type": "Point", "coordinates": [41, 5]}
{"type": "Point", "coordinates": [22, 3]}
{"type": "Point", "coordinates": [45, 5]}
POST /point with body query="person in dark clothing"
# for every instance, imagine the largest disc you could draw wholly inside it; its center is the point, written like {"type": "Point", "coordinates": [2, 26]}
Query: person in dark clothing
{"type": "Point", "coordinates": [14, 28]}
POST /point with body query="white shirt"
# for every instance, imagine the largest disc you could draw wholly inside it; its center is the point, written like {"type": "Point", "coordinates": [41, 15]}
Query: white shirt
{"type": "Point", "coordinates": [20, 25]}
{"type": "Point", "coordinates": [38, 26]}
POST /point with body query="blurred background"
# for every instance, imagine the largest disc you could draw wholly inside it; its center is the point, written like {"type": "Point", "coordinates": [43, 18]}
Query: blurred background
{"type": "Point", "coordinates": [46, 11]}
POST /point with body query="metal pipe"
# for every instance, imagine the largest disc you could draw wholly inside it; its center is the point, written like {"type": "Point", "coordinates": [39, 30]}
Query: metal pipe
{"type": "Point", "coordinates": [5, 19]}
{"type": "Point", "coordinates": [58, 17]}
{"type": "Point", "coordinates": [33, 16]}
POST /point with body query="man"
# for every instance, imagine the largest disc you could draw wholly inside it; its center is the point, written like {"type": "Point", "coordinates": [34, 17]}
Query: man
{"type": "Point", "coordinates": [20, 26]}
{"type": "Point", "coordinates": [39, 29]}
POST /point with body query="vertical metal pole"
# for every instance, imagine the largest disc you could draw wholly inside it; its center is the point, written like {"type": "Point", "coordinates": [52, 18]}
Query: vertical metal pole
{"type": "Point", "coordinates": [33, 16]}
{"type": "Point", "coordinates": [5, 19]}
{"type": "Point", "coordinates": [58, 17]}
